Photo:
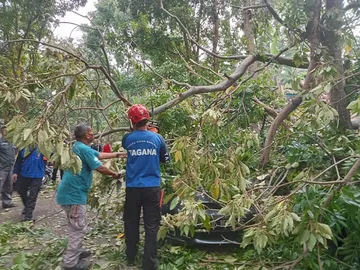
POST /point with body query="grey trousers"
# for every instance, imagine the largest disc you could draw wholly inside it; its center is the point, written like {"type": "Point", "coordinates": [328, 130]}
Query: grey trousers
{"type": "Point", "coordinates": [76, 230]}
{"type": "Point", "coordinates": [6, 187]}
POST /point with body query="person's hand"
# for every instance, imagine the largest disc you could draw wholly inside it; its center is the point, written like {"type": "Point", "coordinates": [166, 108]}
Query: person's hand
{"type": "Point", "coordinates": [116, 176]}
{"type": "Point", "coordinates": [15, 177]}
{"type": "Point", "coordinates": [121, 154]}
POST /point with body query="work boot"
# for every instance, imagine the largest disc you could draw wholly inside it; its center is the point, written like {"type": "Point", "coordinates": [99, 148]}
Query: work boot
{"type": "Point", "coordinates": [82, 265]}
{"type": "Point", "coordinates": [84, 254]}
{"type": "Point", "coordinates": [131, 262]}
{"type": "Point", "coordinates": [11, 205]}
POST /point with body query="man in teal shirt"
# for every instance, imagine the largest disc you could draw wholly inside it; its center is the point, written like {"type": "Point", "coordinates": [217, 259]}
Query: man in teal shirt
{"type": "Point", "coordinates": [73, 191]}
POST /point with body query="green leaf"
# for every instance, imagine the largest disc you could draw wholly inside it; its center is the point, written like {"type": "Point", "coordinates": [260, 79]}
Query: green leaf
{"type": "Point", "coordinates": [215, 191]}
{"type": "Point", "coordinates": [180, 261]}
{"type": "Point", "coordinates": [168, 197]}
{"type": "Point", "coordinates": [174, 203]}
{"type": "Point", "coordinates": [304, 236]}
{"type": "Point", "coordinates": [27, 133]}
{"type": "Point", "coordinates": [300, 176]}
{"type": "Point", "coordinates": [295, 217]}
{"type": "Point", "coordinates": [72, 90]}
{"type": "Point", "coordinates": [105, 265]}
{"type": "Point", "coordinates": [230, 259]}
{"type": "Point", "coordinates": [60, 148]}
{"type": "Point", "coordinates": [295, 165]}
{"type": "Point", "coordinates": [42, 135]}
{"type": "Point", "coordinates": [354, 105]}
{"type": "Point", "coordinates": [312, 242]}
{"type": "Point", "coordinates": [206, 222]}
{"type": "Point", "coordinates": [186, 230]}
{"type": "Point", "coordinates": [327, 88]}
{"type": "Point", "coordinates": [324, 230]}
{"type": "Point", "coordinates": [19, 258]}
{"type": "Point", "coordinates": [65, 157]}
{"type": "Point", "coordinates": [274, 46]}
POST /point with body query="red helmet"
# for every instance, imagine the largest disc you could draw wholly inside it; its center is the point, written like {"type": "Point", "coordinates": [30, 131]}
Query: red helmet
{"type": "Point", "coordinates": [137, 113]}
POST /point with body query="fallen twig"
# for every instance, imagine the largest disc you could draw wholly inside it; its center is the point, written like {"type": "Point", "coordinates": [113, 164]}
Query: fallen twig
{"type": "Point", "coordinates": [52, 214]}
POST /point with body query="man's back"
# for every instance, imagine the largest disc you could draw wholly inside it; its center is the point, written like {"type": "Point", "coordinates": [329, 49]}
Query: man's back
{"type": "Point", "coordinates": [73, 188]}
{"type": "Point", "coordinates": [145, 151]}
{"type": "Point", "coordinates": [32, 165]}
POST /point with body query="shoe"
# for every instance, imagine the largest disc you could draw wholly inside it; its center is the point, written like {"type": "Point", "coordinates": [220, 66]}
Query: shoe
{"type": "Point", "coordinates": [80, 266]}
{"type": "Point", "coordinates": [84, 254]}
{"type": "Point", "coordinates": [28, 219]}
{"type": "Point", "coordinates": [11, 205]}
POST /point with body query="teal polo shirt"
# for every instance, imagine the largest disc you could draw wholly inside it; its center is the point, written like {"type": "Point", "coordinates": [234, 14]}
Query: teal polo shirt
{"type": "Point", "coordinates": [74, 189]}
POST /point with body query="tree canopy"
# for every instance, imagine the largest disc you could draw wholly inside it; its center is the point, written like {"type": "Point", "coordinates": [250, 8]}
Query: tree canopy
{"type": "Point", "coordinates": [257, 99]}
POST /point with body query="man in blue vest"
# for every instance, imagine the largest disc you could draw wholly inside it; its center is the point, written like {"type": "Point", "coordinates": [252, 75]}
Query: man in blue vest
{"type": "Point", "coordinates": [29, 171]}
{"type": "Point", "coordinates": [145, 151]}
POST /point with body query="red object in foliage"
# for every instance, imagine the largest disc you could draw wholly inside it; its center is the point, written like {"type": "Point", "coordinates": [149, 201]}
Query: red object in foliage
{"type": "Point", "coordinates": [107, 148]}
{"type": "Point", "coordinates": [137, 113]}
{"type": "Point", "coordinates": [162, 197]}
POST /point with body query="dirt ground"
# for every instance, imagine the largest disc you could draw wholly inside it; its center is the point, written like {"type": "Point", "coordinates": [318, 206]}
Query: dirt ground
{"type": "Point", "coordinates": [46, 212]}
{"type": "Point", "coordinates": [49, 216]}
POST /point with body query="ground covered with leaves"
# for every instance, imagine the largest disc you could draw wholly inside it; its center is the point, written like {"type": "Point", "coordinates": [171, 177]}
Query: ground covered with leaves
{"type": "Point", "coordinates": [41, 245]}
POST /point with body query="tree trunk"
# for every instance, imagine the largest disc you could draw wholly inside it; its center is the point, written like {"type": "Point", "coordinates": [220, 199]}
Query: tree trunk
{"type": "Point", "coordinates": [216, 22]}
{"type": "Point", "coordinates": [334, 43]}
{"type": "Point", "coordinates": [249, 33]}
{"type": "Point", "coordinates": [198, 29]}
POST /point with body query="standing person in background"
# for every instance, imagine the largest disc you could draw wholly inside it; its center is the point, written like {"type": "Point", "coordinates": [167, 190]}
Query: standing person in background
{"type": "Point", "coordinates": [29, 171]}
{"type": "Point", "coordinates": [153, 126]}
{"type": "Point", "coordinates": [145, 150]}
{"type": "Point", "coordinates": [54, 174]}
{"type": "Point", "coordinates": [107, 147]}
{"type": "Point", "coordinates": [73, 191]}
{"type": "Point", "coordinates": [96, 146]}
{"type": "Point", "coordinates": [7, 159]}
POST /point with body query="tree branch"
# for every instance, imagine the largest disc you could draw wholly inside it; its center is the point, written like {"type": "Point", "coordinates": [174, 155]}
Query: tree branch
{"type": "Point", "coordinates": [25, 36]}
{"type": "Point", "coordinates": [249, 7]}
{"type": "Point", "coordinates": [274, 13]}
{"type": "Point", "coordinates": [208, 69]}
{"type": "Point", "coordinates": [222, 86]}
{"type": "Point", "coordinates": [270, 111]}
{"type": "Point", "coordinates": [162, 77]}
{"type": "Point", "coordinates": [354, 5]}
{"type": "Point", "coordinates": [265, 58]}
{"type": "Point", "coordinates": [102, 134]}
{"type": "Point", "coordinates": [45, 44]}
{"type": "Point", "coordinates": [95, 108]}
{"type": "Point", "coordinates": [101, 68]}
{"type": "Point", "coordinates": [314, 37]}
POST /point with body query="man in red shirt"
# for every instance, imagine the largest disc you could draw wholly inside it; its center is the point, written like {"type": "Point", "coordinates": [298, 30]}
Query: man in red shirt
{"type": "Point", "coordinates": [107, 147]}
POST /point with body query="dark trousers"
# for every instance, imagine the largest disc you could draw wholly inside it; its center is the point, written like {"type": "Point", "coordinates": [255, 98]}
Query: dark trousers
{"type": "Point", "coordinates": [28, 189]}
{"type": "Point", "coordinates": [6, 187]}
{"type": "Point", "coordinates": [53, 177]}
{"type": "Point", "coordinates": [149, 200]}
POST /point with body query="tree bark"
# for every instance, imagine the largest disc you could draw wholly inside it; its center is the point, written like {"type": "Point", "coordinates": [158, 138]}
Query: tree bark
{"type": "Point", "coordinates": [198, 29]}
{"type": "Point", "coordinates": [216, 22]}
{"type": "Point", "coordinates": [334, 43]}
{"type": "Point", "coordinates": [249, 33]}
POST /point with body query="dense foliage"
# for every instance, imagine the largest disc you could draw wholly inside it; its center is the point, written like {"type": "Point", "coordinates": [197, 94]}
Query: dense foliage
{"type": "Point", "coordinates": [253, 97]}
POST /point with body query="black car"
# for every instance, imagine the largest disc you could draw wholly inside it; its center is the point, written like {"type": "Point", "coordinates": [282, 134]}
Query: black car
{"type": "Point", "coordinates": [219, 234]}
